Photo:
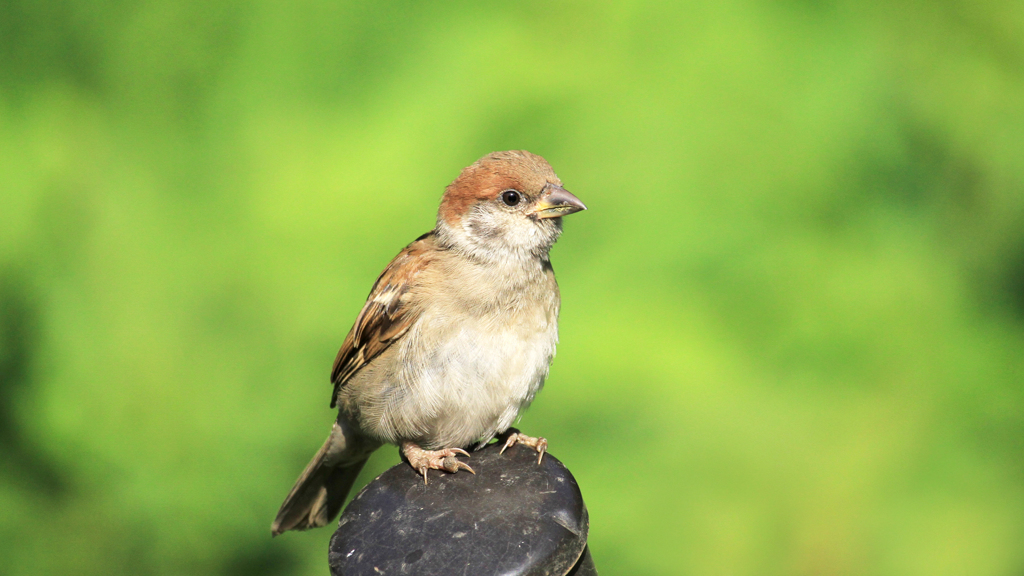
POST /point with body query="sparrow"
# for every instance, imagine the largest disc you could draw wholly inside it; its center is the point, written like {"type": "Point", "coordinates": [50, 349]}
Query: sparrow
{"type": "Point", "coordinates": [455, 339]}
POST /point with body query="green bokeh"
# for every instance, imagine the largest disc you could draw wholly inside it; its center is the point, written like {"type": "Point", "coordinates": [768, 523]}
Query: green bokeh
{"type": "Point", "coordinates": [792, 335]}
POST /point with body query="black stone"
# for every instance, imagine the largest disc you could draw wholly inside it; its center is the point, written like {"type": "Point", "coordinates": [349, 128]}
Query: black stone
{"type": "Point", "coordinates": [514, 517]}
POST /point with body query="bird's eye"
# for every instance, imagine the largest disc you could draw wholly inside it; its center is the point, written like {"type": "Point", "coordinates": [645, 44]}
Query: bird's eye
{"type": "Point", "coordinates": [510, 197]}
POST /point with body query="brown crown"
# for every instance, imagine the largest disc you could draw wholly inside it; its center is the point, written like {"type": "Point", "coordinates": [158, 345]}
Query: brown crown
{"type": "Point", "coordinates": [493, 174]}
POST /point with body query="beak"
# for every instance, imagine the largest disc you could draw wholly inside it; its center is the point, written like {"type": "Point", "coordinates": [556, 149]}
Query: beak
{"type": "Point", "coordinates": [556, 201]}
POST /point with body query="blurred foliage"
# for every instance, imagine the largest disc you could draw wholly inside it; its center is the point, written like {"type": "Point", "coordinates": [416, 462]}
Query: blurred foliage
{"type": "Point", "coordinates": [793, 317]}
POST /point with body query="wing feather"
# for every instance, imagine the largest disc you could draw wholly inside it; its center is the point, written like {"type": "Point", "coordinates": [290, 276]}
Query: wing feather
{"type": "Point", "coordinates": [387, 314]}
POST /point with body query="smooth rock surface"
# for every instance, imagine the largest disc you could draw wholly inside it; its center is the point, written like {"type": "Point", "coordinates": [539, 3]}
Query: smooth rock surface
{"type": "Point", "coordinates": [514, 517]}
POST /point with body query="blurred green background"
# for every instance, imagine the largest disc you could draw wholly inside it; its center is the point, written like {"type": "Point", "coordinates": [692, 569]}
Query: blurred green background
{"type": "Point", "coordinates": [793, 317]}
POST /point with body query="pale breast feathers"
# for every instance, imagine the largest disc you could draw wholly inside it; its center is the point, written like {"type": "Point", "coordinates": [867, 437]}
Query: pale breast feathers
{"type": "Point", "coordinates": [385, 316]}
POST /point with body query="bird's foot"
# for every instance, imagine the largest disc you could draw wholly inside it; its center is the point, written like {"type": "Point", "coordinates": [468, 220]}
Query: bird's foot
{"type": "Point", "coordinates": [513, 437]}
{"type": "Point", "coordinates": [422, 460]}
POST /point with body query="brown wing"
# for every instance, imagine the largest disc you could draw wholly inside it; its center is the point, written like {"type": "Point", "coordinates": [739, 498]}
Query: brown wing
{"type": "Point", "coordinates": [385, 316]}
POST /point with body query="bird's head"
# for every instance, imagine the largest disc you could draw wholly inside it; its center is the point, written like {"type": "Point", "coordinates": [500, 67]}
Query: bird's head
{"type": "Point", "coordinates": [506, 204]}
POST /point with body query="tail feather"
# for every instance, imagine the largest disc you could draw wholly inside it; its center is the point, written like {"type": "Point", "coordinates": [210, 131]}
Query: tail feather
{"type": "Point", "coordinates": [320, 491]}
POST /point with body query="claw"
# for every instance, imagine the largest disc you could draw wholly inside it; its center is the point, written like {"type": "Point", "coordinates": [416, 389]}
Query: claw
{"type": "Point", "coordinates": [453, 464]}
{"type": "Point", "coordinates": [463, 466]}
{"type": "Point", "coordinates": [538, 444]}
{"type": "Point", "coordinates": [423, 460]}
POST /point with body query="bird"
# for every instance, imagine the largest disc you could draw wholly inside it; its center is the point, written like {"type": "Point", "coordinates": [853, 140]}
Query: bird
{"type": "Point", "coordinates": [455, 339]}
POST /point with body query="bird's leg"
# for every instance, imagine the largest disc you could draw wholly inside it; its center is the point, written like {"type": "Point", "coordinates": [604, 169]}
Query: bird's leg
{"type": "Point", "coordinates": [422, 460]}
{"type": "Point", "coordinates": [513, 437]}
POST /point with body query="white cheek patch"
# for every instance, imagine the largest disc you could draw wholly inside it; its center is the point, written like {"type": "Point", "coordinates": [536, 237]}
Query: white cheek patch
{"type": "Point", "coordinates": [504, 234]}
